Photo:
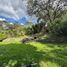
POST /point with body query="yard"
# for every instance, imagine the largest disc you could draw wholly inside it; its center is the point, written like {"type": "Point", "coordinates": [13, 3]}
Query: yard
{"type": "Point", "coordinates": [44, 54]}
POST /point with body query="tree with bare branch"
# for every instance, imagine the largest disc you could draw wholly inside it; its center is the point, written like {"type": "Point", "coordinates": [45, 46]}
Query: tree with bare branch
{"type": "Point", "coordinates": [47, 10]}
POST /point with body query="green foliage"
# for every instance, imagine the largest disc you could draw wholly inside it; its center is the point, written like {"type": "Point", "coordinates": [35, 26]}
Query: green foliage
{"type": "Point", "coordinates": [37, 28]}
{"type": "Point", "coordinates": [2, 35]}
{"type": "Point", "coordinates": [59, 27]}
{"type": "Point", "coordinates": [50, 13]}
{"type": "Point", "coordinates": [9, 30]}
{"type": "Point", "coordinates": [64, 28]}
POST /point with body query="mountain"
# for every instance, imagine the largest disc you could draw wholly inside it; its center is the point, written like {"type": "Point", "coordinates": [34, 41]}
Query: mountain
{"type": "Point", "coordinates": [21, 21]}
{"type": "Point", "coordinates": [8, 19]}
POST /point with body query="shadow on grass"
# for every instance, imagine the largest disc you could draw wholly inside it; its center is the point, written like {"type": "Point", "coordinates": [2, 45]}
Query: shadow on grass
{"type": "Point", "coordinates": [59, 56]}
{"type": "Point", "coordinates": [19, 54]}
{"type": "Point", "coordinates": [59, 53]}
{"type": "Point", "coordinates": [49, 40]}
{"type": "Point", "coordinates": [51, 43]}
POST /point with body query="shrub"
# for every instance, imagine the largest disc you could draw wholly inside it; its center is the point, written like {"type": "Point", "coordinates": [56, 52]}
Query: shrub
{"type": "Point", "coordinates": [2, 35]}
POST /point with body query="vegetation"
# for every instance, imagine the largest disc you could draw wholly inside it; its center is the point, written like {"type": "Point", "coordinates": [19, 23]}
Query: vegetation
{"type": "Point", "coordinates": [50, 11]}
{"type": "Point", "coordinates": [36, 28]}
{"type": "Point", "coordinates": [44, 42]}
{"type": "Point", "coordinates": [44, 54]}
{"type": "Point", "coordinates": [10, 30]}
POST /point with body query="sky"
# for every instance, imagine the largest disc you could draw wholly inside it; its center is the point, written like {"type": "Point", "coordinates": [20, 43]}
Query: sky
{"type": "Point", "coordinates": [15, 9]}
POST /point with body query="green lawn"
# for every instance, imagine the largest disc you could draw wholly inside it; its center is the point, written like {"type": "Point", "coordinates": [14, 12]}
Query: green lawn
{"type": "Point", "coordinates": [44, 54]}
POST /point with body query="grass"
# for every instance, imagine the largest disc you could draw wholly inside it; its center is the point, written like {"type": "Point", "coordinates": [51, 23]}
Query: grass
{"type": "Point", "coordinates": [44, 54]}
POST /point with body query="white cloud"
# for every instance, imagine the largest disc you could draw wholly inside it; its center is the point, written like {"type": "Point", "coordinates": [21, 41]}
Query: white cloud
{"type": "Point", "coordinates": [13, 8]}
{"type": "Point", "coordinates": [1, 19]}
{"type": "Point", "coordinates": [11, 23]}
{"type": "Point", "coordinates": [8, 10]}
{"type": "Point", "coordinates": [22, 24]}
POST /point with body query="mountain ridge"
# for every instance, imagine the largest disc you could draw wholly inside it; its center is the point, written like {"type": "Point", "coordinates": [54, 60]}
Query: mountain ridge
{"type": "Point", "coordinates": [22, 20]}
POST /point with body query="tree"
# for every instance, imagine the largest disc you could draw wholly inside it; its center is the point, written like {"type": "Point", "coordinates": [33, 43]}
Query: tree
{"type": "Point", "coordinates": [47, 10]}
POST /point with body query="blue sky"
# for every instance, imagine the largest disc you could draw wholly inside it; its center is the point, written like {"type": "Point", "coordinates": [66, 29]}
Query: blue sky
{"type": "Point", "coordinates": [15, 9]}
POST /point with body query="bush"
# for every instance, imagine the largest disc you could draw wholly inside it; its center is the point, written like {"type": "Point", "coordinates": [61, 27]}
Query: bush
{"type": "Point", "coordinates": [37, 28]}
{"type": "Point", "coordinates": [2, 35]}
{"type": "Point", "coordinates": [64, 28]}
{"type": "Point", "coordinates": [59, 28]}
